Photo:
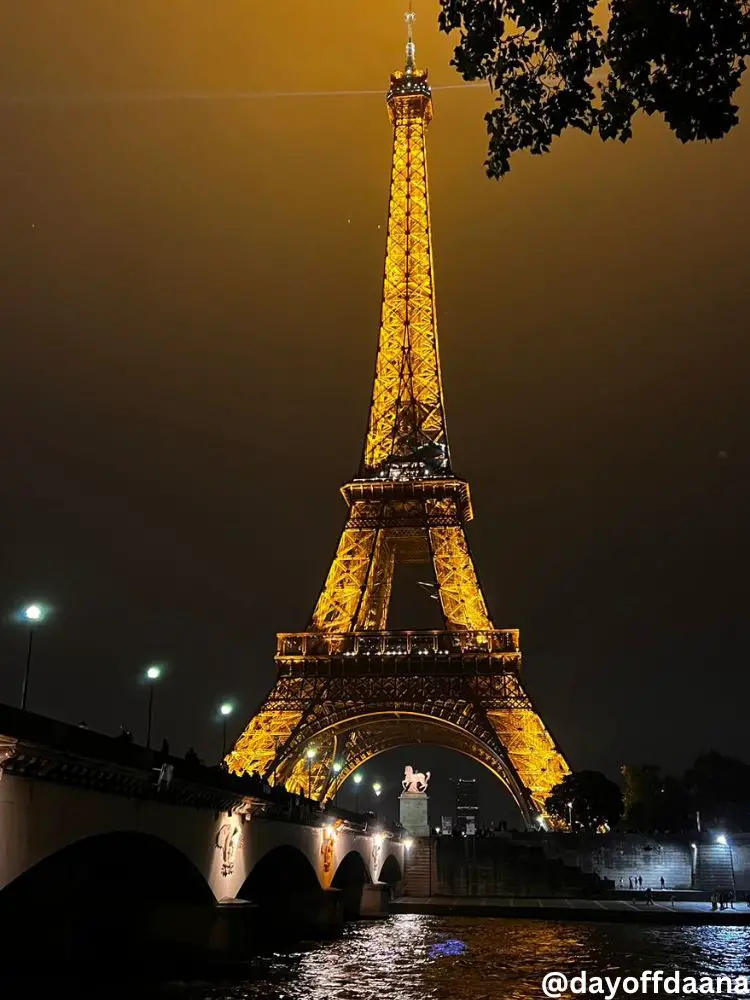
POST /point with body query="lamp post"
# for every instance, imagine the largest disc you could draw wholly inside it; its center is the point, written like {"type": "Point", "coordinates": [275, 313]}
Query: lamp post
{"type": "Point", "coordinates": [32, 615]}
{"type": "Point", "coordinates": [336, 768]}
{"type": "Point", "coordinates": [153, 673]}
{"type": "Point", "coordinates": [377, 788]}
{"type": "Point", "coordinates": [225, 710]}
{"type": "Point", "coordinates": [570, 816]}
{"type": "Point", "coordinates": [357, 779]}
{"type": "Point", "coordinates": [311, 755]}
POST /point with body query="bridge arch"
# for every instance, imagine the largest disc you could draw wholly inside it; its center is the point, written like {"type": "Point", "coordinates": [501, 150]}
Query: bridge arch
{"type": "Point", "coordinates": [390, 871]}
{"type": "Point", "coordinates": [282, 871]}
{"type": "Point", "coordinates": [350, 878]}
{"type": "Point", "coordinates": [111, 892]}
{"type": "Point", "coordinates": [283, 883]}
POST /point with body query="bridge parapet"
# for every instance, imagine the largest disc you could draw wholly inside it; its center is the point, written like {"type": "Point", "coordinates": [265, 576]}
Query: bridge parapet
{"type": "Point", "coordinates": [38, 748]}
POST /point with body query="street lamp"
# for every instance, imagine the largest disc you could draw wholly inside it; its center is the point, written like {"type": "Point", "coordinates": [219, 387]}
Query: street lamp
{"type": "Point", "coordinates": [377, 788]}
{"type": "Point", "coordinates": [153, 673]}
{"type": "Point", "coordinates": [32, 615]}
{"type": "Point", "coordinates": [225, 710]}
{"type": "Point", "coordinates": [311, 754]}
{"type": "Point", "coordinates": [357, 779]}
{"type": "Point", "coordinates": [570, 816]}
{"type": "Point", "coordinates": [336, 768]}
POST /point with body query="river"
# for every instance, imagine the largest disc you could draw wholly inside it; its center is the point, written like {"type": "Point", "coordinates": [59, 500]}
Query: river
{"type": "Point", "coordinates": [415, 957]}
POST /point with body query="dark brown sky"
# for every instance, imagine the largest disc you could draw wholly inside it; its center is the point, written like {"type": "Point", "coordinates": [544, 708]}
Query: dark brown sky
{"type": "Point", "coordinates": [189, 322]}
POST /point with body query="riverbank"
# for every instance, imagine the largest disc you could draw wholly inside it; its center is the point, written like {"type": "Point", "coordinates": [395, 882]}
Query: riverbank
{"type": "Point", "coordinates": [615, 910]}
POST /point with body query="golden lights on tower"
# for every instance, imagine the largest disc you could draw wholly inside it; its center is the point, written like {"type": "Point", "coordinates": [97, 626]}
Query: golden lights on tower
{"type": "Point", "coordinates": [347, 684]}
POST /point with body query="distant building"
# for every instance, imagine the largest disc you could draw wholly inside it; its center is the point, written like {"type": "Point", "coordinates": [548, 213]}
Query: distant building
{"type": "Point", "coordinates": [467, 805]}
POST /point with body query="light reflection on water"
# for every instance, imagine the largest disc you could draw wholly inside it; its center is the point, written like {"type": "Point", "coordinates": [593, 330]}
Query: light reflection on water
{"type": "Point", "coordinates": [414, 957]}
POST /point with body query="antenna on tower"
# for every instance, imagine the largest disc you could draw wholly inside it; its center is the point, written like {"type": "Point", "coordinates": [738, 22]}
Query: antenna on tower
{"type": "Point", "coordinates": [411, 48]}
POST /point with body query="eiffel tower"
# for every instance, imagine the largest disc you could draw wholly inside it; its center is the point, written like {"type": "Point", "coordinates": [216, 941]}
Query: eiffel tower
{"type": "Point", "coordinates": [348, 689]}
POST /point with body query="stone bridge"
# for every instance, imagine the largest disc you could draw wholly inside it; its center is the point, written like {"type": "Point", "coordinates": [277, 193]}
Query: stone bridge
{"type": "Point", "coordinates": [94, 849]}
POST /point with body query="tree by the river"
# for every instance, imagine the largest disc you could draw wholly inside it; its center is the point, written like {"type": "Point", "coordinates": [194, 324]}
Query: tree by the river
{"type": "Point", "coordinates": [587, 800]}
{"type": "Point", "coordinates": [592, 65]}
{"type": "Point", "coordinates": [655, 801]}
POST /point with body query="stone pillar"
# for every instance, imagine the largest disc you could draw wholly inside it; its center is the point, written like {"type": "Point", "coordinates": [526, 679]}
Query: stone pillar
{"type": "Point", "coordinates": [235, 927]}
{"type": "Point", "coordinates": [327, 918]}
{"type": "Point", "coordinates": [375, 899]}
{"type": "Point", "coordinates": [414, 813]}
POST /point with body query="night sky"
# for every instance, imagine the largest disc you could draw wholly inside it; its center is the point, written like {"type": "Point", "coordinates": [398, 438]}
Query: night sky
{"type": "Point", "coordinates": [189, 304]}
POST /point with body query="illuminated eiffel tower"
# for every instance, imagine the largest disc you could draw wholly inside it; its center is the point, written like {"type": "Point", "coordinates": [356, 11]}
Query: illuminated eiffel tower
{"type": "Point", "coordinates": [348, 689]}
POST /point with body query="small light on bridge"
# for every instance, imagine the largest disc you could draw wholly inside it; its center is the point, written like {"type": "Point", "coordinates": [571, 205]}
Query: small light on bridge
{"type": "Point", "coordinates": [330, 831]}
{"type": "Point", "coordinates": [694, 846]}
{"type": "Point", "coordinates": [32, 615]}
{"type": "Point", "coordinates": [225, 710]}
{"type": "Point", "coordinates": [311, 753]}
{"type": "Point", "coordinates": [336, 768]}
{"type": "Point", "coordinates": [377, 787]}
{"type": "Point", "coordinates": [379, 838]}
{"type": "Point", "coordinates": [153, 673]}
{"type": "Point", "coordinates": [357, 779]}
{"type": "Point", "coordinates": [408, 844]}
{"type": "Point", "coordinates": [721, 839]}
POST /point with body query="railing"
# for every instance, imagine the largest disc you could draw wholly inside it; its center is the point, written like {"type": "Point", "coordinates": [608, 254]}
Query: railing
{"type": "Point", "coordinates": [321, 645]}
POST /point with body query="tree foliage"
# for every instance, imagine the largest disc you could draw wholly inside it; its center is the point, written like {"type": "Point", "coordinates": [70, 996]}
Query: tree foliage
{"type": "Point", "coordinates": [715, 788]}
{"type": "Point", "coordinates": [557, 64]}
{"type": "Point", "coordinates": [589, 798]}
{"type": "Point", "coordinates": [719, 788]}
{"type": "Point", "coordinates": [656, 801]}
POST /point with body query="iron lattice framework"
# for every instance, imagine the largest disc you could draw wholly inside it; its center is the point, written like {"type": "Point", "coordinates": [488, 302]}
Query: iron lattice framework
{"type": "Point", "coordinates": [347, 688]}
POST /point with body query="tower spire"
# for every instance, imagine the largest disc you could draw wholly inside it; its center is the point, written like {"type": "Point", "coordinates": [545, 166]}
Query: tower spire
{"type": "Point", "coordinates": [411, 48]}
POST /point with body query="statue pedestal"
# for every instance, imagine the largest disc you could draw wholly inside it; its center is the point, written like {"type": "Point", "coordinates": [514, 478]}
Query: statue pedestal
{"type": "Point", "coordinates": [414, 813]}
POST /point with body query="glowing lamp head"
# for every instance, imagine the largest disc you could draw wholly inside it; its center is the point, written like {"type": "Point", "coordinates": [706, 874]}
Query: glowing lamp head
{"type": "Point", "coordinates": [33, 613]}
{"type": "Point", "coordinates": [378, 838]}
{"type": "Point", "coordinates": [311, 753]}
{"type": "Point", "coordinates": [330, 831]}
{"type": "Point", "coordinates": [721, 839]}
{"type": "Point", "coordinates": [377, 787]}
{"type": "Point", "coordinates": [153, 673]}
{"type": "Point", "coordinates": [226, 709]}
{"type": "Point", "coordinates": [408, 844]}
{"type": "Point", "coordinates": [337, 765]}
{"type": "Point", "coordinates": [357, 779]}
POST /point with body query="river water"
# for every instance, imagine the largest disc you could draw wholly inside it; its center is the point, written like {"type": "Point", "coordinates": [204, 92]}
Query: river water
{"type": "Point", "coordinates": [415, 957]}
